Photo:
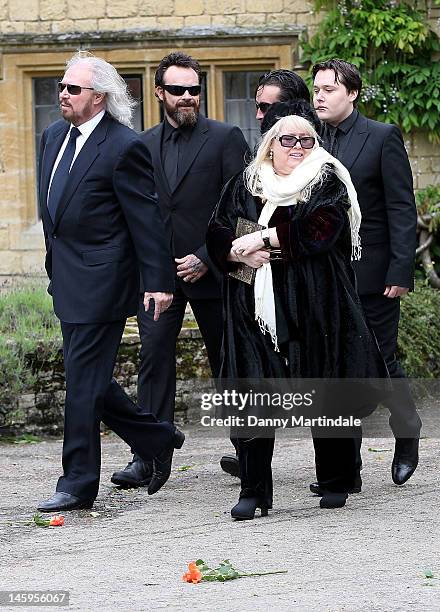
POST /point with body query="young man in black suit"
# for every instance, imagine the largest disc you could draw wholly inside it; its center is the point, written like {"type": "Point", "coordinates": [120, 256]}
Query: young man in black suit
{"type": "Point", "coordinates": [193, 157]}
{"type": "Point", "coordinates": [102, 228]}
{"type": "Point", "coordinates": [375, 156]}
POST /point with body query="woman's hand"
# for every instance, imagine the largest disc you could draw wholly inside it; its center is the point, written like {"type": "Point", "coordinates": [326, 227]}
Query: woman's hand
{"type": "Point", "coordinates": [248, 244]}
{"type": "Point", "coordinates": [254, 241]}
{"type": "Point", "coordinates": [254, 260]}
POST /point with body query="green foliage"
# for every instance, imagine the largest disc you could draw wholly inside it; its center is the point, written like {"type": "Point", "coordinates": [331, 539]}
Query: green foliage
{"type": "Point", "coordinates": [428, 203]}
{"type": "Point", "coordinates": [428, 209]}
{"type": "Point", "coordinates": [27, 326]}
{"type": "Point", "coordinates": [419, 332]}
{"type": "Point", "coordinates": [226, 571]}
{"type": "Point", "coordinates": [392, 45]}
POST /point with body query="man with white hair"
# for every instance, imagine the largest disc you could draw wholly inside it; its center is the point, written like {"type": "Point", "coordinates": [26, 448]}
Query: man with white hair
{"type": "Point", "coordinates": [103, 230]}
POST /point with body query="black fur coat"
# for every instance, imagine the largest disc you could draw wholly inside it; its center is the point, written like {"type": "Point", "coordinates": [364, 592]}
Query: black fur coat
{"type": "Point", "coordinates": [321, 328]}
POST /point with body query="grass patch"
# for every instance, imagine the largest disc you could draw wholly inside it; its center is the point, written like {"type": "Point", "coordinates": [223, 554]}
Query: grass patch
{"type": "Point", "coordinates": [28, 326]}
{"type": "Point", "coordinates": [419, 332]}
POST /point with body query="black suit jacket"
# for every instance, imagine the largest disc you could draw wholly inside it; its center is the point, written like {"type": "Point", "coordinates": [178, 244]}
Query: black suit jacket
{"type": "Point", "coordinates": [107, 228]}
{"type": "Point", "coordinates": [378, 164]}
{"type": "Point", "coordinates": [217, 152]}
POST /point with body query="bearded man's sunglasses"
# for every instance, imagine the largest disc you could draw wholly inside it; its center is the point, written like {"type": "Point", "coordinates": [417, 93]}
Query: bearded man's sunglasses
{"type": "Point", "coordinates": [179, 90]}
{"type": "Point", "coordinates": [74, 90]}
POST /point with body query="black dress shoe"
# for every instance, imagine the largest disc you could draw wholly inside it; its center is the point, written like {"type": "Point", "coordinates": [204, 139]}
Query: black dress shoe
{"type": "Point", "coordinates": [230, 465]}
{"type": "Point", "coordinates": [64, 501]}
{"type": "Point", "coordinates": [333, 500]}
{"type": "Point", "coordinates": [162, 464]}
{"type": "Point", "coordinates": [245, 509]}
{"type": "Point", "coordinates": [406, 458]}
{"type": "Point", "coordinates": [316, 488]}
{"type": "Point", "coordinates": [137, 473]}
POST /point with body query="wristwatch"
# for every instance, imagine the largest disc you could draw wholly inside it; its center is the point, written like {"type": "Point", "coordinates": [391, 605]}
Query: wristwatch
{"type": "Point", "coordinates": [265, 238]}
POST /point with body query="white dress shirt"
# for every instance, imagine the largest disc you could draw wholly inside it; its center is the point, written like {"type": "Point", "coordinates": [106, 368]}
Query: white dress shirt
{"type": "Point", "coordinates": [86, 129]}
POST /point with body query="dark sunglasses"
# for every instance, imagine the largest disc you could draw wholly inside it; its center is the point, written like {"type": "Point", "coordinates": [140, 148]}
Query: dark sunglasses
{"type": "Point", "coordinates": [263, 106]}
{"type": "Point", "coordinates": [74, 90]}
{"type": "Point", "coordinates": [287, 140]}
{"type": "Point", "coordinates": [179, 90]}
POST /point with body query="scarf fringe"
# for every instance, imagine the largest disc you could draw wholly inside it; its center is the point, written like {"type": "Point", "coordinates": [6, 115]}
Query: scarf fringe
{"type": "Point", "coordinates": [264, 327]}
{"type": "Point", "coordinates": [356, 251]}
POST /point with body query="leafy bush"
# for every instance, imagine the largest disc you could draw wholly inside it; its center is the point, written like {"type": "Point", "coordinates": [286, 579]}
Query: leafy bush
{"type": "Point", "coordinates": [419, 332]}
{"type": "Point", "coordinates": [27, 325]}
{"type": "Point", "coordinates": [428, 226]}
{"type": "Point", "coordinates": [392, 45]}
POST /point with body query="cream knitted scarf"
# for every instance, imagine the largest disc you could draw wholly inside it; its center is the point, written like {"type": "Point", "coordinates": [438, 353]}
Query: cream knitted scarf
{"type": "Point", "coordinates": [286, 191]}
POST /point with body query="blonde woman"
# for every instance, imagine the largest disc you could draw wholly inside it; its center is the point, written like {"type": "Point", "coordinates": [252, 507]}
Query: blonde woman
{"type": "Point", "coordinates": [301, 317]}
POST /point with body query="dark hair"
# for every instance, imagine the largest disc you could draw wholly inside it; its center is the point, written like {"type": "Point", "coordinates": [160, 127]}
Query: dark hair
{"type": "Point", "coordinates": [300, 108]}
{"type": "Point", "coordinates": [292, 86]}
{"type": "Point", "coordinates": [345, 73]}
{"type": "Point", "coordinates": [177, 58]}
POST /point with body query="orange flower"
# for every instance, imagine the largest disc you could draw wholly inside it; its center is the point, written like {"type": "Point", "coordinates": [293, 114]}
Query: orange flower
{"type": "Point", "coordinates": [56, 521]}
{"type": "Point", "coordinates": [194, 575]}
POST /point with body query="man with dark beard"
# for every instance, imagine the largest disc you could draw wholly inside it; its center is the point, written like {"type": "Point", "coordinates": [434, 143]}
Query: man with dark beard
{"type": "Point", "coordinates": [193, 157]}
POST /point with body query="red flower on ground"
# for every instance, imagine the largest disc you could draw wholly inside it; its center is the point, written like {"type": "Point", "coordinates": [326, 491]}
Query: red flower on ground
{"type": "Point", "coordinates": [56, 521]}
{"type": "Point", "coordinates": [193, 575]}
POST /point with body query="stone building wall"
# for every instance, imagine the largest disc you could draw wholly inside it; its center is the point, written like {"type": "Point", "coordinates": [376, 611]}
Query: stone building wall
{"type": "Point", "coordinates": [57, 16]}
{"type": "Point", "coordinates": [37, 36]}
{"type": "Point", "coordinates": [40, 409]}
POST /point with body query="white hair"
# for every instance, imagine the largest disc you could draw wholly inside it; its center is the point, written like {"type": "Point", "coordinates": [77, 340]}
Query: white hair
{"type": "Point", "coordinates": [106, 80]}
{"type": "Point", "coordinates": [288, 124]}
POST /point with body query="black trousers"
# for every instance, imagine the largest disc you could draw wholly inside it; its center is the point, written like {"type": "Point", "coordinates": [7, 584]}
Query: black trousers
{"type": "Point", "coordinates": [337, 459]}
{"type": "Point", "coordinates": [336, 463]}
{"type": "Point", "coordinates": [383, 316]}
{"type": "Point", "coordinates": [157, 369]}
{"type": "Point", "coordinates": [255, 458]}
{"type": "Point", "coordinates": [92, 396]}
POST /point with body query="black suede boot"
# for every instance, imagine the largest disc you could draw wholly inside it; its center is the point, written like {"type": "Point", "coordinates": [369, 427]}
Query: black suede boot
{"type": "Point", "coordinates": [255, 457]}
{"type": "Point", "coordinates": [245, 509]}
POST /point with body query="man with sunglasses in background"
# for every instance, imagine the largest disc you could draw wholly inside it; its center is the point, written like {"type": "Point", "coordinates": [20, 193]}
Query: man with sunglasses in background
{"type": "Point", "coordinates": [102, 228]}
{"type": "Point", "coordinates": [278, 86]}
{"type": "Point", "coordinates": [193, 158]}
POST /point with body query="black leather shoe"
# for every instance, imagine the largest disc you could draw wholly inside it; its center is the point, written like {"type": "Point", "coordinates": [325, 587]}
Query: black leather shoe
{"type": "Point", "coordinates": [162, 464]}
{"type": "Point", "coordinates": [64, 501]}
{"type": "Point", "coordinates": [333, 500]}
{"type": "Point", "coordinates": [245, 509]}
{"type": "Point", "coordinates": [406, 458]}
{"type": "Point", "coordinates": [316, 489]}
{"type": "Point", "coordinates": [230, 465]}
{"type": "Point", "coordinates": [137, 473]}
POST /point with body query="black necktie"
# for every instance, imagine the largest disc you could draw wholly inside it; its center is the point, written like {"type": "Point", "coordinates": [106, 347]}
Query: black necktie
{"type": "Point", "coordinates": [171, 160]}
{"type": "Point", "coordinates": [333, 141]}
{"type": "Point", "coordinates": [61, 174]}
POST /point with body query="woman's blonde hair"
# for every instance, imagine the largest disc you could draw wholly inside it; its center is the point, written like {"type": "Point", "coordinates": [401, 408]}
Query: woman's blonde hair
{"type": "Point", "coordinates": [288, 124]}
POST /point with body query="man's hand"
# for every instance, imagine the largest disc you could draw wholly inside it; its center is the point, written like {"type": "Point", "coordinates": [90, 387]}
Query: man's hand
{"type": "Point", "coordinates": [393, 291]}
{"type": "Point", "coordinates": [162, 301]}
{"type": "Point", "coordinates": [190, 268]}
